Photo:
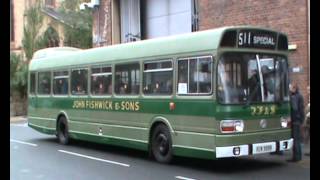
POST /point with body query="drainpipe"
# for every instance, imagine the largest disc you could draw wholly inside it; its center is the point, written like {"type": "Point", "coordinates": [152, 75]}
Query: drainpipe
{"type": "Point", "coordinates": [99, 38]}
{"type": "Point", "coordinates": [308, 1]}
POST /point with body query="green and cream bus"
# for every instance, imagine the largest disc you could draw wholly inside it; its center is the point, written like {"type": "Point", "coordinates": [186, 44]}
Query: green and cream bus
{"type": "Point", "coordinates": [209, 94]}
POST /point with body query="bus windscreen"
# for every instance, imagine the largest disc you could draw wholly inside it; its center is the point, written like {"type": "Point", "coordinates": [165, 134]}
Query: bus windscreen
{"type": "Point", "coordinates": [248, 77]}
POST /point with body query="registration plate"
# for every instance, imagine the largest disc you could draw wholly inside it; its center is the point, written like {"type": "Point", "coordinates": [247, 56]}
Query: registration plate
{"type": "Point", "coordinates": [263, 147]}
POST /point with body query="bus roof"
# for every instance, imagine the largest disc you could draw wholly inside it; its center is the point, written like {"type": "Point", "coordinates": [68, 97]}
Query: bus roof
{"type": "Point", "coordinates": [55, 51]}
{"type": "Point", "coordinates": [184, 43]}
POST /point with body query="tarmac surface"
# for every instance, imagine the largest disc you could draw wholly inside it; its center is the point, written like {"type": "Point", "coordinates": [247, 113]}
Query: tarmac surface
{"type": "Point", "coordinates": [37, 156]}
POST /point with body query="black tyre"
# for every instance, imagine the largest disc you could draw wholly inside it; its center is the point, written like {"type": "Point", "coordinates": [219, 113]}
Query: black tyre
{"type": "Point", "coordinates": [63, 131]}
{"type": "Point", "coordinates": [161, 144]}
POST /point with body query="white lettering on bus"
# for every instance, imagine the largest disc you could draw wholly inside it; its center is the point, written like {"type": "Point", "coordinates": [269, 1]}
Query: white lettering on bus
{"type": "Point", "coordinates": [263, 40]}
{"type": "Point", "coordinates": [240, 39]}
{"type": "Point", "coordinates": [244, 38]}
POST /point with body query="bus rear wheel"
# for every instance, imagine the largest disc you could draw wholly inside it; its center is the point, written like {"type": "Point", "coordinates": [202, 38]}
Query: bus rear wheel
{"type": "Point", "coordinates": [62, 129]}
{"type": "Point", "coordinates": [161, 144]}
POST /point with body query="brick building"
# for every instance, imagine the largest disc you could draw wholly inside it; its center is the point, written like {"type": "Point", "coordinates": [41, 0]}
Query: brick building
{"type": "Point", "coordinates": [120, 21]}
{"type": "Point", "coordinates": [17, 22]}
{"type": "Point", "coordinates": [53, 21]}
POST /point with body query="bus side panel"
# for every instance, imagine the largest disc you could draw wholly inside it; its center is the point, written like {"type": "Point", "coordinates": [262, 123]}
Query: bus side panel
{"type": "Point", "coordinates": [194, 153]}
{"type": "Point", "coordinates": [110, 129]}
{"type": "Point", "coordinates": [251, 138]}
{"type": "Point", "coordinates": [109, 140]}
{"type": "Point", "coordinates": [193, 125]}
{"type": "Point", "coordinates": [192, 122]}
{"type": "Point", "coordinates": [41, 116]}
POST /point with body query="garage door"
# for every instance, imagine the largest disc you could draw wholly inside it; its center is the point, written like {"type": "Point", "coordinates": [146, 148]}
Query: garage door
{"type": "Point", "coordinates": [167, 17]}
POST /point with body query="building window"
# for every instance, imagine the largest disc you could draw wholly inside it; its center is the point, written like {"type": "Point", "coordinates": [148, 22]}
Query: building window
{"type": "Point", "coordinates": [195, 75]}
{"type": "Point", "coordinates": [101, 81]}
{"type": "Point", "coordinates": [44, 83]}
{"type": "Point", "coordinates": [130, 20]}
{"type": "Point", "coordinates": [51, 37]}
{"type": "Point", "coordinates": [127, 80]}
{"type": "Point", "coordinates": [60, 82]}
{"type": "Point", "coordinates": [157, 78]}
{"type": "Point", "coordinates": [166, 18]}
{"type": "Point", "coordinates": [49, 3]}
{"type": "Point", "coordinates": [79, 81]}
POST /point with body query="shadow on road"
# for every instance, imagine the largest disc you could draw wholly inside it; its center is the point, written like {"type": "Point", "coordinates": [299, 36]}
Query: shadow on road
{"type": "Point", "coordinates": [102, 148]}
{"type": "Point", "coordinates": [227, 165]}
{"type": "Point", "coordinates": [224, 166]}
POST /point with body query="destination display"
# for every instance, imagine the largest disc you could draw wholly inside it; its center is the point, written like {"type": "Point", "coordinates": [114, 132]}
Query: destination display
{"type": "Point", "coordinates": [257, 39]}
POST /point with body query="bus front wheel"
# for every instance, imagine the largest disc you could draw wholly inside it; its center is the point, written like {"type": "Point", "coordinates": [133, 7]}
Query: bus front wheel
{"type": "Point", "coordinates": [62, 129]}
{"type": "Point", "coordinates": [161, 144]}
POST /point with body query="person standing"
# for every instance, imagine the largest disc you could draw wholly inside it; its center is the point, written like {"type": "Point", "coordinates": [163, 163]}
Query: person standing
{"type": "Point", "coordinates": [297, 118]}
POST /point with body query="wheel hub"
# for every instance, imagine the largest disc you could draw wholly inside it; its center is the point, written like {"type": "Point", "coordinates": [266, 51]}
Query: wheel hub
{"type": "Point", "coordinates": [162, 144]}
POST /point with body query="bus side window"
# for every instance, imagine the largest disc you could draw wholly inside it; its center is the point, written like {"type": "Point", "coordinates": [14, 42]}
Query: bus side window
{"type": "Point", "coordinates": [44, 83]}
{"type": "Point", "coordinates": [79, 81]}
{"type": "Point", "coordinates": [101, 81]}
{"type": "Point", "coordinates": [158, 78]}
{"type": "Point", "coordinates": [195, 75]}
{"type": "Point", "coordinates": [127, 79]}
{"type": "Point", "coordinates": [60, 82]}
{"type": "Point", "coordinates": [205, 65]}
{"type": "Point", "coordinates": [32, 83]}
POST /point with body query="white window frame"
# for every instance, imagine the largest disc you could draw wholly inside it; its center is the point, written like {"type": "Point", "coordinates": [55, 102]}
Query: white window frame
{"type": "Point", "coordinates": [158, 70]}
{"type": "Point", "coordinates": [197, 58]}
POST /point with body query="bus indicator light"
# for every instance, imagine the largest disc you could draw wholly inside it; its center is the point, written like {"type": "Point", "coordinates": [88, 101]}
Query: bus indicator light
{"type": "Point", "coordinates": [285, 122]}
{"type": "Point", "coordinates": [100, 131]}
{"type": "Point", "coordinates": [230, 126]}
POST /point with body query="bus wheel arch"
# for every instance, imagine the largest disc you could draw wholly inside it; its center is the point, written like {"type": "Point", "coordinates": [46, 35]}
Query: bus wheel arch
{"type": "Point", "coordinates": [160, 140]}
{"type": "Point", "coordinates": [62, 129]}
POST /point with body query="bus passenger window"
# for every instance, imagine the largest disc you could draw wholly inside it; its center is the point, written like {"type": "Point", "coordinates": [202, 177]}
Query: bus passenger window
{"type": "Point", "coordinates": [101, 81]}
{"type": "Point", "coordinates": [79, 81]}
{"type": "Point", "coordinates": [60, 82]}
{"type": "Point", "coordinates": [157, 78]}
{"type": "Point", "coordinates": [195, 75]}
{"type": "Point", "coordinates": [205, 74]}
{"type": "Point", "coordinates": [32, 83]}
{"type": "Point", "coordinates": [127, 79]}
{"type": "Point", "coordinates": [44, 82]}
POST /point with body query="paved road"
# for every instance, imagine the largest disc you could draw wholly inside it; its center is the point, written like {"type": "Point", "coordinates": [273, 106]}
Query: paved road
{"type": "Point", "coordinates": [37, 156]}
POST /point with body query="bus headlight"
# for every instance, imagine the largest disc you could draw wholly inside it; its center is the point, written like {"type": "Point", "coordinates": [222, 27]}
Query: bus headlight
{"type": "Point", "coordinates": [285, 122]}
{"type": "Point", "coordinates": [239, 126]}
{"type": "Point", "coordinates": [230, 126]}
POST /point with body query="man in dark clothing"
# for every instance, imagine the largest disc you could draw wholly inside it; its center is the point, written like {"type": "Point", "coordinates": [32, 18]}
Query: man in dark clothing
{"type": "Point", "coordinates": [297, 117]}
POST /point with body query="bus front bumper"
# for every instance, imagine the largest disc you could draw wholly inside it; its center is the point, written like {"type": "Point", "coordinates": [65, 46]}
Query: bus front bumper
{"type": "Point", "coordinates": [252, 149]}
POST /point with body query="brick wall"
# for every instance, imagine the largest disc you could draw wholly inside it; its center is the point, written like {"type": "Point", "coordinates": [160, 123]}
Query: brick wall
{"type": "Point", "coordinates": [288, 16]}
{"type": "Point", "coordinates": [18, 106]}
